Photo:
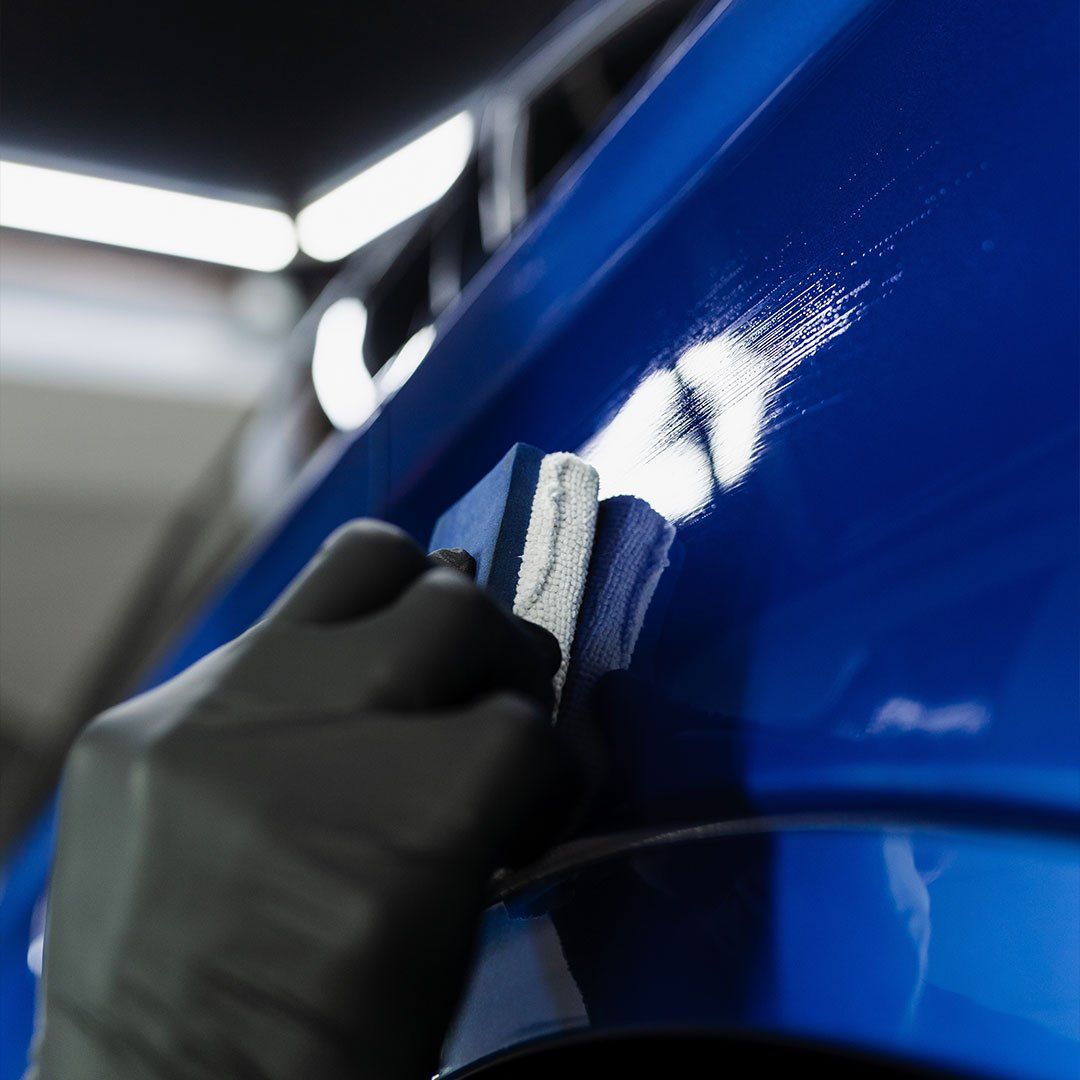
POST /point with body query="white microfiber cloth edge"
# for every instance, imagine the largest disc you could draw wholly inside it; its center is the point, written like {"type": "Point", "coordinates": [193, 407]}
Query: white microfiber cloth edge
{"type": "Point", "coordinates": [558, 545]}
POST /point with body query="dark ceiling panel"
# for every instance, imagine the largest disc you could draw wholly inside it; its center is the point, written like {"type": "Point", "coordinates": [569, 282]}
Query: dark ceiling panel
{"type": "Point", "coordinates": [267, 99]}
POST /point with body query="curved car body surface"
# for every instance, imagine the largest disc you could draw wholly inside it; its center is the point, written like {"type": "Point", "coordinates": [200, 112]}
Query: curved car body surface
{"type": "Point", "coordinates": [813, 294]}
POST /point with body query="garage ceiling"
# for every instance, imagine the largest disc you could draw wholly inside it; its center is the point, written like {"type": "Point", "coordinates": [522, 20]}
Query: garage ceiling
{"type": "Point", "coordinates": [263, 99]}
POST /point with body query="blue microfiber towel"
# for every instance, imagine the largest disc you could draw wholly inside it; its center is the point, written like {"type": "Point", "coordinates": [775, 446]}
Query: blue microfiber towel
{"type": "Point", "coordinates": [631, 550]}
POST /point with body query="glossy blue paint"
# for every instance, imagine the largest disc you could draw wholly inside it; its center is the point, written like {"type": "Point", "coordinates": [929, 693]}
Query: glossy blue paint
{"type": "Point", "coordinates": [873, 938]}
{"type": "Point", "coordinates": [814, 294]}
{"type": "Point", "coordinates": [22, 918]}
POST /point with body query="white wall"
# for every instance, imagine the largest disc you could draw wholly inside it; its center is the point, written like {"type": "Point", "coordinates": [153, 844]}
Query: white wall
{"type": "Point", "coordinates": [122, 376]}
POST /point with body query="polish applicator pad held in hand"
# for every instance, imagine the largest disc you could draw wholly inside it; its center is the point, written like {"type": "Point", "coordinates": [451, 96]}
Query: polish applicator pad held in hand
{"type": "Point", "coordinates": [529, 524]}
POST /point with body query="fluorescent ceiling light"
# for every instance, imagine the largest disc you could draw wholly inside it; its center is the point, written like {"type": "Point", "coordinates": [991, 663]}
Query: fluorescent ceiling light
{"type": "Point", "coordinates": [387, 193]}
{"type": "Point", "coordinates": [145, 218]}
{"type": "Point", "coordinates": [342, 382]}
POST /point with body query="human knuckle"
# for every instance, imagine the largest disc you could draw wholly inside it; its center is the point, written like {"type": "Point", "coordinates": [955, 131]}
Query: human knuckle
{"type": "Point", "coordinates": [368, 536]}
{"type": "Point", "coordinates": [85, 756]}
{"type": "Point", "coordinates": [112, 750]}
{"type": "Point", "coordinates": [104, 736]}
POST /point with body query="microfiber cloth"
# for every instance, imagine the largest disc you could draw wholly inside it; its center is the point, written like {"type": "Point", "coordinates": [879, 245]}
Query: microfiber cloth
{"type": "Point", "coordinates": [529, 524]}
{"type": "Point", "coordinates": [631, 549]}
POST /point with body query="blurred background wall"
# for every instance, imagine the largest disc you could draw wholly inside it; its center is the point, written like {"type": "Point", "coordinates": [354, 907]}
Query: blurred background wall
{"type": "Point", "coordinates": [123, 379]}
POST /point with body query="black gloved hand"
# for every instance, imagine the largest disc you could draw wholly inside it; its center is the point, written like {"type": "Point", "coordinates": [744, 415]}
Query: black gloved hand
{"type": "Point", "coordinates": [273, 865]}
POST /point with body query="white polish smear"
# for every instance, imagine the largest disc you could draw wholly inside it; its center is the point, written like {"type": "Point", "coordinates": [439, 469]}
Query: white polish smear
{"type": "Point", "coordinates": [694, 427]}
{"type": "Point", "coordinates": [698, 425]}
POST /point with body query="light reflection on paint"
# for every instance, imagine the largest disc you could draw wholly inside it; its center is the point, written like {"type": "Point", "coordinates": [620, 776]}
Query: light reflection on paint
{"type": "Point", "coordinates": [401, 366]}
{"type": "Point", "coordinates": [695, 428]}
{"type": "Point", "coordinates": [635, 454]}
{"type": "Point", "coordinates": [342, 383]}
{"type": "Point", "coordinates": [35, 955]}
{"type": "Point", "coordinates": [35, 951]}
{"type": "Point", "coordinates": [912, 905]}
{"type": "Point", "coordinates": [903, 714]}
{"type": "Point", "coordinates": [726, 375]}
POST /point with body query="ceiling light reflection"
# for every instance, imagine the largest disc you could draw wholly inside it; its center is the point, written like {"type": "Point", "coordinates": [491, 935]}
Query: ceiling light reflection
{"type": "Point", "coordinates": [342, 382]}
{"type": "Point", "coordinates": [401, 366]}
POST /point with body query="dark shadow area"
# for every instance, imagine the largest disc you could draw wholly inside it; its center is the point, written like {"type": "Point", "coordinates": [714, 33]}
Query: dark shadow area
{"type": "Point", "coordinates": [678, 1055]}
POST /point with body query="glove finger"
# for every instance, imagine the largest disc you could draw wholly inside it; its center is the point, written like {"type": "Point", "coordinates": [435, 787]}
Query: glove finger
{"type": "Point", "coordinates": [459, 559]}
{"type": "Point", "coordinates": [523, 791]}
{"type": "Point", "coordinates": [363, 567]}
{"type": "Point", "coordinates": [546, 642]}
{"type": "Point", "coordinates": [457, 644]}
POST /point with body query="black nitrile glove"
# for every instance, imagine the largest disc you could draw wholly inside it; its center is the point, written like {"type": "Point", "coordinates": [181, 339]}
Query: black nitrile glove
{"type": "Point", "coordinates": [273, 865]}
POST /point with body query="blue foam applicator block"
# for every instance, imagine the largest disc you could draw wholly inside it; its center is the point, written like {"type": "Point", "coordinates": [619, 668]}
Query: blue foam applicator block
{"type": "Point", "coordinates": [492, 519]}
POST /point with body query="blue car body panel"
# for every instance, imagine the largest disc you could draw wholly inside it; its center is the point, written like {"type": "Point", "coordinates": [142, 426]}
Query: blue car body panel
{"type": "Point", "coordinates": [814, 295]}
{"type": "Point", "coordinates": [873, 938]}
